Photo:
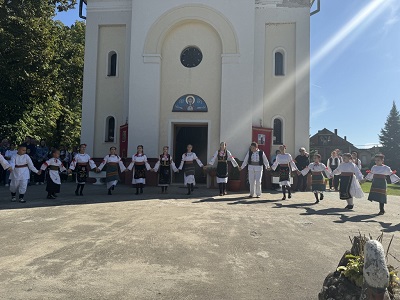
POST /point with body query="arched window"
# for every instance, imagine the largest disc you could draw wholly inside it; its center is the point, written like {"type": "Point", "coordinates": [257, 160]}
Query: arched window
{"type": "Point", "coordinates": [279, 63]}
{"type": "Point", "coordinates": [278, 132]}
{"type": "Point", "coordinates": [112, 64]}
{"type": "Point", "coordinates": [110, 129]}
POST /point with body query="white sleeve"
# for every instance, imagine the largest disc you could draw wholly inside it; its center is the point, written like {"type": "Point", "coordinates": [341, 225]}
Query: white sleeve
{"type": "Point", "coordinates": [198, 161]}
{"type": "Point", "coordinates": [292, 164]}
{"type": "Point", "coordinates": [73, 163]}
{"type": "Point", "coordinates": [265, 160]}
{"type": "Point", "coordinates": [156, 166]}
{"type": "Point", "coordinates": [358, 173]}
{"type": "Point", "coordinates": [146, 163]}
{"type": "Point", "coordinates": [174, 168]}
{"type": "Point", "coordinates": [305, 171]}
{"type": "Point", "coordinates": [30, 164]}
{"type": "Point", "coordinates": [62, 168]}
{"type": "Point", "coordinates": [245, 161]}
{"type": "Point", "coordinates": [369, 177]}
{"type": "Point", "coordinates": [121, 165]}
{"type": "Point", "coordinates": [232, 159]}
{"type": "Point", "coordinates": [132, 164]}
{"type": "Point", "coordinates": [103, 163]}
{"type": "Point", "coordinates": [182, 162]}
{"type": "Point", "coordinates": [327, 171]}
{"type": "Point", "coordinates": [4, 163]}
{"type": "Point", "coordinates": [212, 161]}
{"type": "Point", "coordinates": [92, 164]}
{"type": "Point", "coordinates": [45, 165]}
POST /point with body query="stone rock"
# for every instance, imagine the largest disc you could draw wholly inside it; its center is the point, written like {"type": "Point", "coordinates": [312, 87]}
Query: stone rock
{"type": "Point", "coordinates": [338, 287]}
{"type": "Point", "coordinates": [376, 273]}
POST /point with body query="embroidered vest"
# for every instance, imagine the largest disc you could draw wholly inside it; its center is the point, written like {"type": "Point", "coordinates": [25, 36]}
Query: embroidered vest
{"type": "Point", "coordinates": [261, 160]}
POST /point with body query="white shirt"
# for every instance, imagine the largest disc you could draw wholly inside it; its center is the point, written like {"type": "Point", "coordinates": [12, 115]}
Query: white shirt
{"type": "Point", "coordinates": [229, 157]}
{"type": "Point", "coordinates": [4, 163]}
{"type": "Point", "coordinates": [82, 159]}
{"type": "Point", "coordinates": [284, 159]}
{"type": "Point", "coordinates": [21, 173]}
{"type": "Point", "coordinates": [348, 168]}
{"type": "Point", "coordinates": [10, 154]}
{"type": "Point", "coordinates": [190, 156]}
{"type": "Point", "coordinates": [112, 159]}
{"type": "Point", "coordinates": [382, 170]}
{"type": "Point", "coordinates": [139, 158]}
{"type": "Point", "coordinates": [165, 158]}
{"type": "Point", "coordinates": [316, 167]}
{"type": "Point", "coordinates": [255, 157]}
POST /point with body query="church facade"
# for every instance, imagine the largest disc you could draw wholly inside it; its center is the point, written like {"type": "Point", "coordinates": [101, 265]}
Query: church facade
{"type": "Point", "coordinates": [179, 71]}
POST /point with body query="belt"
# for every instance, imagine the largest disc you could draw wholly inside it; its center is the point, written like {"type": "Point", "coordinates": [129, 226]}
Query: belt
{"type": "Point", "coordinates": [255, 163]}
{"type": "Point", "coordinates": [346, 174]}
{"type": "Point", "coordinates": [222, 160]}
{"type": "Point", "coordinates": [112, 163]}
{"type": "Point", "coordinates": [317, 173]}
{"type": "Point", "coordinates": [189, 162]}
{"type": "Point", "coordinates": [21, 166]}
{"type": "Point", "coordinates": [379, 176]}
{"type": "Point", "coordinates": [139, 163]}
{"type": "Point", "coordinates": [82, 164]}
{"type": "Point", "coordinates": [53, 168]}
{"type": "Point", "coordinates": [284, 165]}
{"type": "Point", "coordinates": [165, 164]}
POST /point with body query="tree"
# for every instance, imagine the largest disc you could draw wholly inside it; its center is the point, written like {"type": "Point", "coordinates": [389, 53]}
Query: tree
{"type": "Point", "coordinates": [41, 70]}
{"type": "Point", "coordinates": [390, 138]}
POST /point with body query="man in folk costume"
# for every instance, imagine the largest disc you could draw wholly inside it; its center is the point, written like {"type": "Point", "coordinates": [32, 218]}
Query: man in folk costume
{"type": "Point", "coordinates": [112, 161]}
{"type": "Point", "coordinates": [55, 166]}
{"type": "Point", "coordinates": [164, 164]}
{"type": "Point", "coordinates": [286, 166]}
{"type": "Point", "coordinates": [255, 159]}
{"type": "Point", "coordinates": [332, 163]}
{"type": "Point", "coordinates": [140, 165]}
{"type": "Point", "coordinates": [80, 163]}
{"type": "Point", "coordinates": [378, 175]}
{"type": "Point", "coordinates": [223, 156]}
{"type": "Point", "coordinates": [187, 161]}
{"type": "Point", "coordinates": [22, 165]}
{"type": "Point", "coordinates": [350, 175]}
{"type": "Point", "coordinates": [318, 182]}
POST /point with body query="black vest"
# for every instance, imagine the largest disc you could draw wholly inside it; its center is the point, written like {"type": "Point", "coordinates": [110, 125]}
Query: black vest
{"type": "Point", "coordinates": [260, 153]}
{"type": "Point", "coordinates": [336, 161]}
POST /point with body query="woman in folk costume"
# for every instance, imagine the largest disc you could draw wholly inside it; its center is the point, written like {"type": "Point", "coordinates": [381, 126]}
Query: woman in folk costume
{"type": "Point", "coordinates": [140, 165]}
{"type": "Point", "coordinates": [222, 156]}
{"type": "Point", "coordinates": [286, 166]}
{"type": "Point", "coordinates": [80, 163]}
{"type": "Point", "coordinates": [53, 179]}
{"type": "Point", "coordinates": [112, 161]}
{"type": "Point", "coordinates": [356, 161]}
{"type": "Point", "coordinates": [256, 160]}
{"type": "Point", "coordinates": [378, 175]}
{"type": "Point", "coordinates": [350, 175]}
{"type": "Point", "coordinates": [188, 159]}
{"type": "Point", "coordinates": [318, 182]}
{"type": "Point", "coordinates": [164, 164]}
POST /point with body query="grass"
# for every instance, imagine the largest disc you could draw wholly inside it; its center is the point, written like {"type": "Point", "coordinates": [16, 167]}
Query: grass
{"type": "Point", "coordinates": [392, 189]}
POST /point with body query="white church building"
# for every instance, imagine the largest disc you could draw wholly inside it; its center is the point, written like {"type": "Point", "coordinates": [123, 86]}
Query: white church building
{"type": "Point", "coordinates": [196, 71]}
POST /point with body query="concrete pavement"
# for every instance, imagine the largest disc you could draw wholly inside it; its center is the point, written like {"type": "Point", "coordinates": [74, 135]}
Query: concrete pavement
{"type": "Point", "coordinates": [173, 246]}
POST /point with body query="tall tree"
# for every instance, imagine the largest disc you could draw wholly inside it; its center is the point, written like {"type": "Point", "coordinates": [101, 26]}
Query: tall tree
{"type": "Point", "coordinates": [41, 70]}
{"type": "Point", "coordinates": [390, 138]}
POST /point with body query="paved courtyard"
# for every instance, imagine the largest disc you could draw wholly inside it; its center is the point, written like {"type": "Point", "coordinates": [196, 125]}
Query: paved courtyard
{"type": "Point", "coordinates": [173, 247]}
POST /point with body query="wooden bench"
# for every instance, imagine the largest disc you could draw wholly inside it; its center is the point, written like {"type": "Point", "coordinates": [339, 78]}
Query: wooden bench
{"type": "Point", "coordinates": [98, 177]}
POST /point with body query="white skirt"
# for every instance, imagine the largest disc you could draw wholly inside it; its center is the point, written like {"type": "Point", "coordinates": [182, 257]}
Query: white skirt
{"type": "Point", "coordinates": [189, 180]}
{"type": "Point", "coordinates": [139, 180]}
{"type": "Point", "coordinates": [111, 183]}
{"type": "Point", "coordinates": [355, 189]}
{"type": "Point", "coordinates": [222, 180]}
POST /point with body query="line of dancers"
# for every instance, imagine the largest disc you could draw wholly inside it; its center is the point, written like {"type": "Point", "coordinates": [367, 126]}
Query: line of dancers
{"type": "Point", "coordinates": [255, 160]}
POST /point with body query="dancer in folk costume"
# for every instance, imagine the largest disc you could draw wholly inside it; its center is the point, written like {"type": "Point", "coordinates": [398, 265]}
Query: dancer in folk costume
{"type": "Point", "coordinates": [318, 182]}
{"type": "Point", "coordinates": [378, 175]}
{"type": "Point", "coordinates": [332, 163]}
{"type": "Point", "coordinates": [188, 159]}
{"type": "Point", "coordinates": [350, 175]}
{"type": "Point", "coordinates": [53, 179]}
{"type": "Point", "coordinates": [164, 164]}
{"type": "Point", "coordinates": [256, 160]}
{"type": "Point", "coordinates": [222, 156]}
{"type": "Point", "coordinates": [112, 161]}
{"type": "Point", "coordinates": [80, 163]}
{"type": "Point", "coordinates": [356, 161]}
{"type": "Point", "coordinates": [140, 165]}
{"type": "Point", "coordinates": [21, 164]}
{"type": "Point", "coordinates": [286, 166]}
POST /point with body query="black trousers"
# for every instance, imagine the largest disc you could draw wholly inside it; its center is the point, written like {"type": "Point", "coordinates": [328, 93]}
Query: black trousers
{"type": "Point", "coordinates": [301, 183]}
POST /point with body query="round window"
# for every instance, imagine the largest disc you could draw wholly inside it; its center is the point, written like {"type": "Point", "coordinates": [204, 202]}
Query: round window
{"type": "Point", "coordinates": [191, 57]}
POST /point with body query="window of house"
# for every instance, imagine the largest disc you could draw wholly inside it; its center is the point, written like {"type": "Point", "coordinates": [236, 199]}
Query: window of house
{"type": "Point", "coordinates": [110, 129]}
{"type": "Point", "coordinates": [278, 132]}
{"type": "Point", "coordinates": [279, 64]}
{"type": "Point", "coordinates": [112, 64]}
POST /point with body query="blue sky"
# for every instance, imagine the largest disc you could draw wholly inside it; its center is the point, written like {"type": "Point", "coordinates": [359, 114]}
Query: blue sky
{"type": "Point", "coordinates": [355, 66]}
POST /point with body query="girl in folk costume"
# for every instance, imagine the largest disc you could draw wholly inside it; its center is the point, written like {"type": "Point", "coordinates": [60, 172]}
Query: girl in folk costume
{"type": "Point", "coordinates": [21, 164]}
{"type": "Point", "coordinates": [164, 164]}
{"type": "Point", "coordinates": [356, 161]}
{"type": "Point", "coordinates": [350, 175]}
{"type": "Point", "coordinates": [140, 164]}
{"type": "Point", "coordinates": [53, 179]}
{"type": "Point", "coordinates": [378, 175]}
{"type": "Point", "coordinates": [318, 182]}
{"type": "Point", "coordinates": [80, 163]}
{"type": "Point", "coordinates": [222, 156]}
{"type": "Point", "coordinates": [286, 165]}
{"type": "Point", "coordinates": [332, 163]}
{"type": "Point", "coordinates": [256, 160]}
{"type": "Point", "coordinates": [188, 159]}
{"type": "Point", "coordinates": [112, 161]}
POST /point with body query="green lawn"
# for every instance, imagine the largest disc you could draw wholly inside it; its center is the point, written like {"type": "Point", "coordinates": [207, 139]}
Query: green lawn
{"type": "Point", "coordinates": [393, 189]}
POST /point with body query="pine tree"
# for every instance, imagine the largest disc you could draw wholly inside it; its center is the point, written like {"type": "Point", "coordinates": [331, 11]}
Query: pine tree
{"type": "Point", "coordinates": [390, 138]}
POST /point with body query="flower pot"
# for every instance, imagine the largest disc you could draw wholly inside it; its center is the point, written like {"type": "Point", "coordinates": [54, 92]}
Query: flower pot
{"type": "Point", "coordinates": [234, 185]}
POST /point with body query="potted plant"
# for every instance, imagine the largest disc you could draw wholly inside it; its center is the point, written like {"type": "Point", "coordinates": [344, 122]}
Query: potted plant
{"type": "Point", "coordinates": [234, 178]}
